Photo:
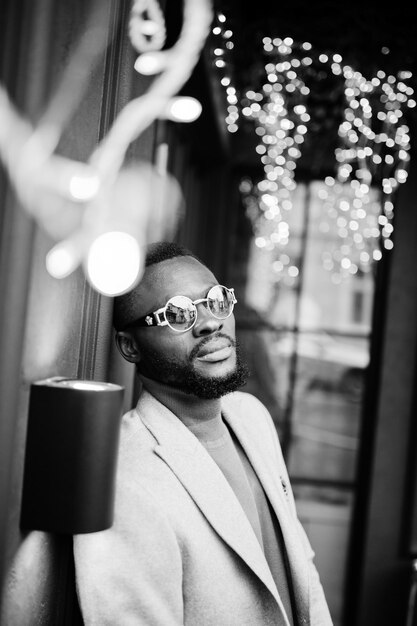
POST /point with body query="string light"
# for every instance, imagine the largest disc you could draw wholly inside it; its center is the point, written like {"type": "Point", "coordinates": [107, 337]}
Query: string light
{"type": "Point", "coordinates": [222, 45]}
{"type": "Point", "coordinates": [270, 236]}
{"type": "Point", "coordinates": [102, 212]}
{"type": "Point", "coordinates": [281, 119]}
{"type": "Point", "coordinates": [373, 154]}
{"type": "Point", "coordinates": [114, 263]}
{"type": "Point", "coordinates": [83, 188]}
{"type": "Point", "coordinates": [371, 160]}
{"type": "Point", "coordinates": [183, 109]}
{"type": "Point", "coordinates": [150, 63]}
{"type": "Point", "coordinates": [61, 261]}
{"type": "Point", "coordinates": [147, 25]}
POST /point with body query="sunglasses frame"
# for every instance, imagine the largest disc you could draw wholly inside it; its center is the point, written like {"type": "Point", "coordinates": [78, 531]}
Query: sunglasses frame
{"type": "Point", "coordinates": [158, 317]}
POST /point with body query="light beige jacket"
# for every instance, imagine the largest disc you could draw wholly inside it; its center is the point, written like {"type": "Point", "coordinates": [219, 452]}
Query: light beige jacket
{"type": "Point", "coordinates": [181, 550]}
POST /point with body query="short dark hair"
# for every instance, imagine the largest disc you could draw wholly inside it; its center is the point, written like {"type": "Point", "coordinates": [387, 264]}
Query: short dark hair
{"type": "Point", "coordinates": [124, 306]}
{"type": "Point", "coordinates": [164, 250]}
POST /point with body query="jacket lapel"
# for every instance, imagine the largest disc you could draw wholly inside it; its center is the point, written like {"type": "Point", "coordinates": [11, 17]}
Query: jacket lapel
{"type": "Point", "coordinates": [267, 472]}
{"type": "Point", "coordinates": [206, 485]}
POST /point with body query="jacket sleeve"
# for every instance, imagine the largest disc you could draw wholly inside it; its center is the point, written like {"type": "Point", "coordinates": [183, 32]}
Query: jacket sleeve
{"type": "Point", "coordinates": [132, 573]}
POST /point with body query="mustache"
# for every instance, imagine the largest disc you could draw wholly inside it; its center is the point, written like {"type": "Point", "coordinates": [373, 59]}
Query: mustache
{"type": "Point", "coordinates": [194, 352]}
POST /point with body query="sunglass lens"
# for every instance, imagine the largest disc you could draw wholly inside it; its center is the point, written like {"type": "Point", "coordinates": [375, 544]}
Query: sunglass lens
{"type": "Point", "coordinates": [220, 301]}
{"type": "Point", "coordinates": [180, 313]}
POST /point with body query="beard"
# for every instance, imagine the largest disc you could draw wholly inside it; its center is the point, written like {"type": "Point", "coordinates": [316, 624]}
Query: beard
{"type": "Point", "coordinates": [183, 375]}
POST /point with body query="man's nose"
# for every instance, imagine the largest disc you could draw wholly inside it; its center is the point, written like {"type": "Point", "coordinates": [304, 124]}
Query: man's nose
{"type": "Point", "coordinates": [206, 323]}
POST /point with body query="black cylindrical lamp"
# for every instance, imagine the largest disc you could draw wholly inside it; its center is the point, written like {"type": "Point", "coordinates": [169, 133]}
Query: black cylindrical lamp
{"type": "Point", "coordinates": [71, 455]}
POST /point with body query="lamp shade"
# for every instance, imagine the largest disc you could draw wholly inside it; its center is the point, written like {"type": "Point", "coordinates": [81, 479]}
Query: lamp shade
{"type": "Point", "coordinates": [71, 455]}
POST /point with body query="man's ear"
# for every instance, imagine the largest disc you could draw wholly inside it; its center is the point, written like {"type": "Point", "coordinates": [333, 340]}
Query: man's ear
{"type": "Point", "coordinates": [127, 346]}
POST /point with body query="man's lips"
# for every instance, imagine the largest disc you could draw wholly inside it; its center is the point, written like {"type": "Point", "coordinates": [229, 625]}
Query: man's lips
{"type": "Point", "coordinates": [215, 350]}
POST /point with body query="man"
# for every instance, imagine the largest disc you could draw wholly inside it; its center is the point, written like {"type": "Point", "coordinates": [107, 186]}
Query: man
{"type": "Point", "coordinates": [205, 530]}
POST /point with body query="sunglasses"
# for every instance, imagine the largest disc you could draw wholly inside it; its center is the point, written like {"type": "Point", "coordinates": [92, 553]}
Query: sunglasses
{"type": "Point", "coordinates": [180, 312]}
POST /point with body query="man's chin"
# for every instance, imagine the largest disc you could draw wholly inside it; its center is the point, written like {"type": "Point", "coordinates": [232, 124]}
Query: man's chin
{"type": "Point", "coordinates": [210, 386]}
{"type": "Point", "coordinates": [201, 378]}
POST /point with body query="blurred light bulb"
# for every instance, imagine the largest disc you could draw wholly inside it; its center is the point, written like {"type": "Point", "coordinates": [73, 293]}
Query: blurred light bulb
{"type": "Point", "coordinates": [149, 27]}
{"type": "Point", "coordinates": [149, 63]}
{"type": "Point", "coordinates": [61, 261]}
{"type": "Point", "coordinates": [183, 109]}
{"type": "Point", "coordinates": [84, 188]}
{"type": "Point", "coordinates": [114, 263]}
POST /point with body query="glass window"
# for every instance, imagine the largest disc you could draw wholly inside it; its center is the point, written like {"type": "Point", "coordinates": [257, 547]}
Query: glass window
{"type": "Point", "coordinates": [304, 326]}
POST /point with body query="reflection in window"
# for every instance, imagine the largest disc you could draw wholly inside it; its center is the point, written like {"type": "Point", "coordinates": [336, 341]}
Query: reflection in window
{"type": "Point", "coordinates": [357, 308]}
{"type": "Point", "coordinates": [308, 348]}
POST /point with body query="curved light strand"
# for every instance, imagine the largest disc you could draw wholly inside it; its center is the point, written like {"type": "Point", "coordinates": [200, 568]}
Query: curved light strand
{"type": "Point", "coordinates": [281, 123]}
{"type": "Point", "coordinates": [373, 153]}
{"type": "Point", "coordinates": [221, 46]}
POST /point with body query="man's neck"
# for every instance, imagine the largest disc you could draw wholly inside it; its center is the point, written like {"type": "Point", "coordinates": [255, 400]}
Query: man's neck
{"type": "Point", "coordinates": [197, 414]}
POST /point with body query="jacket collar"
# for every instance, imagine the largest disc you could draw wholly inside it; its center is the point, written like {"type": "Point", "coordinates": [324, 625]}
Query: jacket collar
{"type": "Point", "coordinates": [211, 492]}
{"type": "Point", "coordinates": [277, 491]}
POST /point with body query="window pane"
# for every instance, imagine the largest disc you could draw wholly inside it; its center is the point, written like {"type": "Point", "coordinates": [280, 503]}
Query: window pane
{"type": "Point", "coordinates": [304, 324]}
{"type": "Point", "coordinates": [326, 406]}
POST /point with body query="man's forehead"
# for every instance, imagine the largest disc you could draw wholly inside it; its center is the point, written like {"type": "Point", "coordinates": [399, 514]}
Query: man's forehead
{"type": "Point", "coordinates": [177, 276]}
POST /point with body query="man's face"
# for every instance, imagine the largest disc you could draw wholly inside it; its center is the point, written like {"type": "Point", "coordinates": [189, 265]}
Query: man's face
{"type": "Point", "coordinates": [202, 361]}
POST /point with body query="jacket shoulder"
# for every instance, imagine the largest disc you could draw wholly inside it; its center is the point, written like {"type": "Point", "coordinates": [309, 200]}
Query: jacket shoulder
{"type": "Point", "coordinates": [246, 411]}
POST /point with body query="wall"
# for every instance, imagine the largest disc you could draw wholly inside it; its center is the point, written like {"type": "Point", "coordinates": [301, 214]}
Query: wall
{"type": "Point", "coordinates": [49, 327]}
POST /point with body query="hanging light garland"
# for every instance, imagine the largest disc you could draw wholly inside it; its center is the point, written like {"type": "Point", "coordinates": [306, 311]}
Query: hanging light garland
{"type": "Point", "coordinates": [222, 44]}
{"type": "Point", "coordinates": [371, 157]}
{"type": "Point", "coordinates": [372, 162]}
{"type": "Point", "coordinates": [281, 123]}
